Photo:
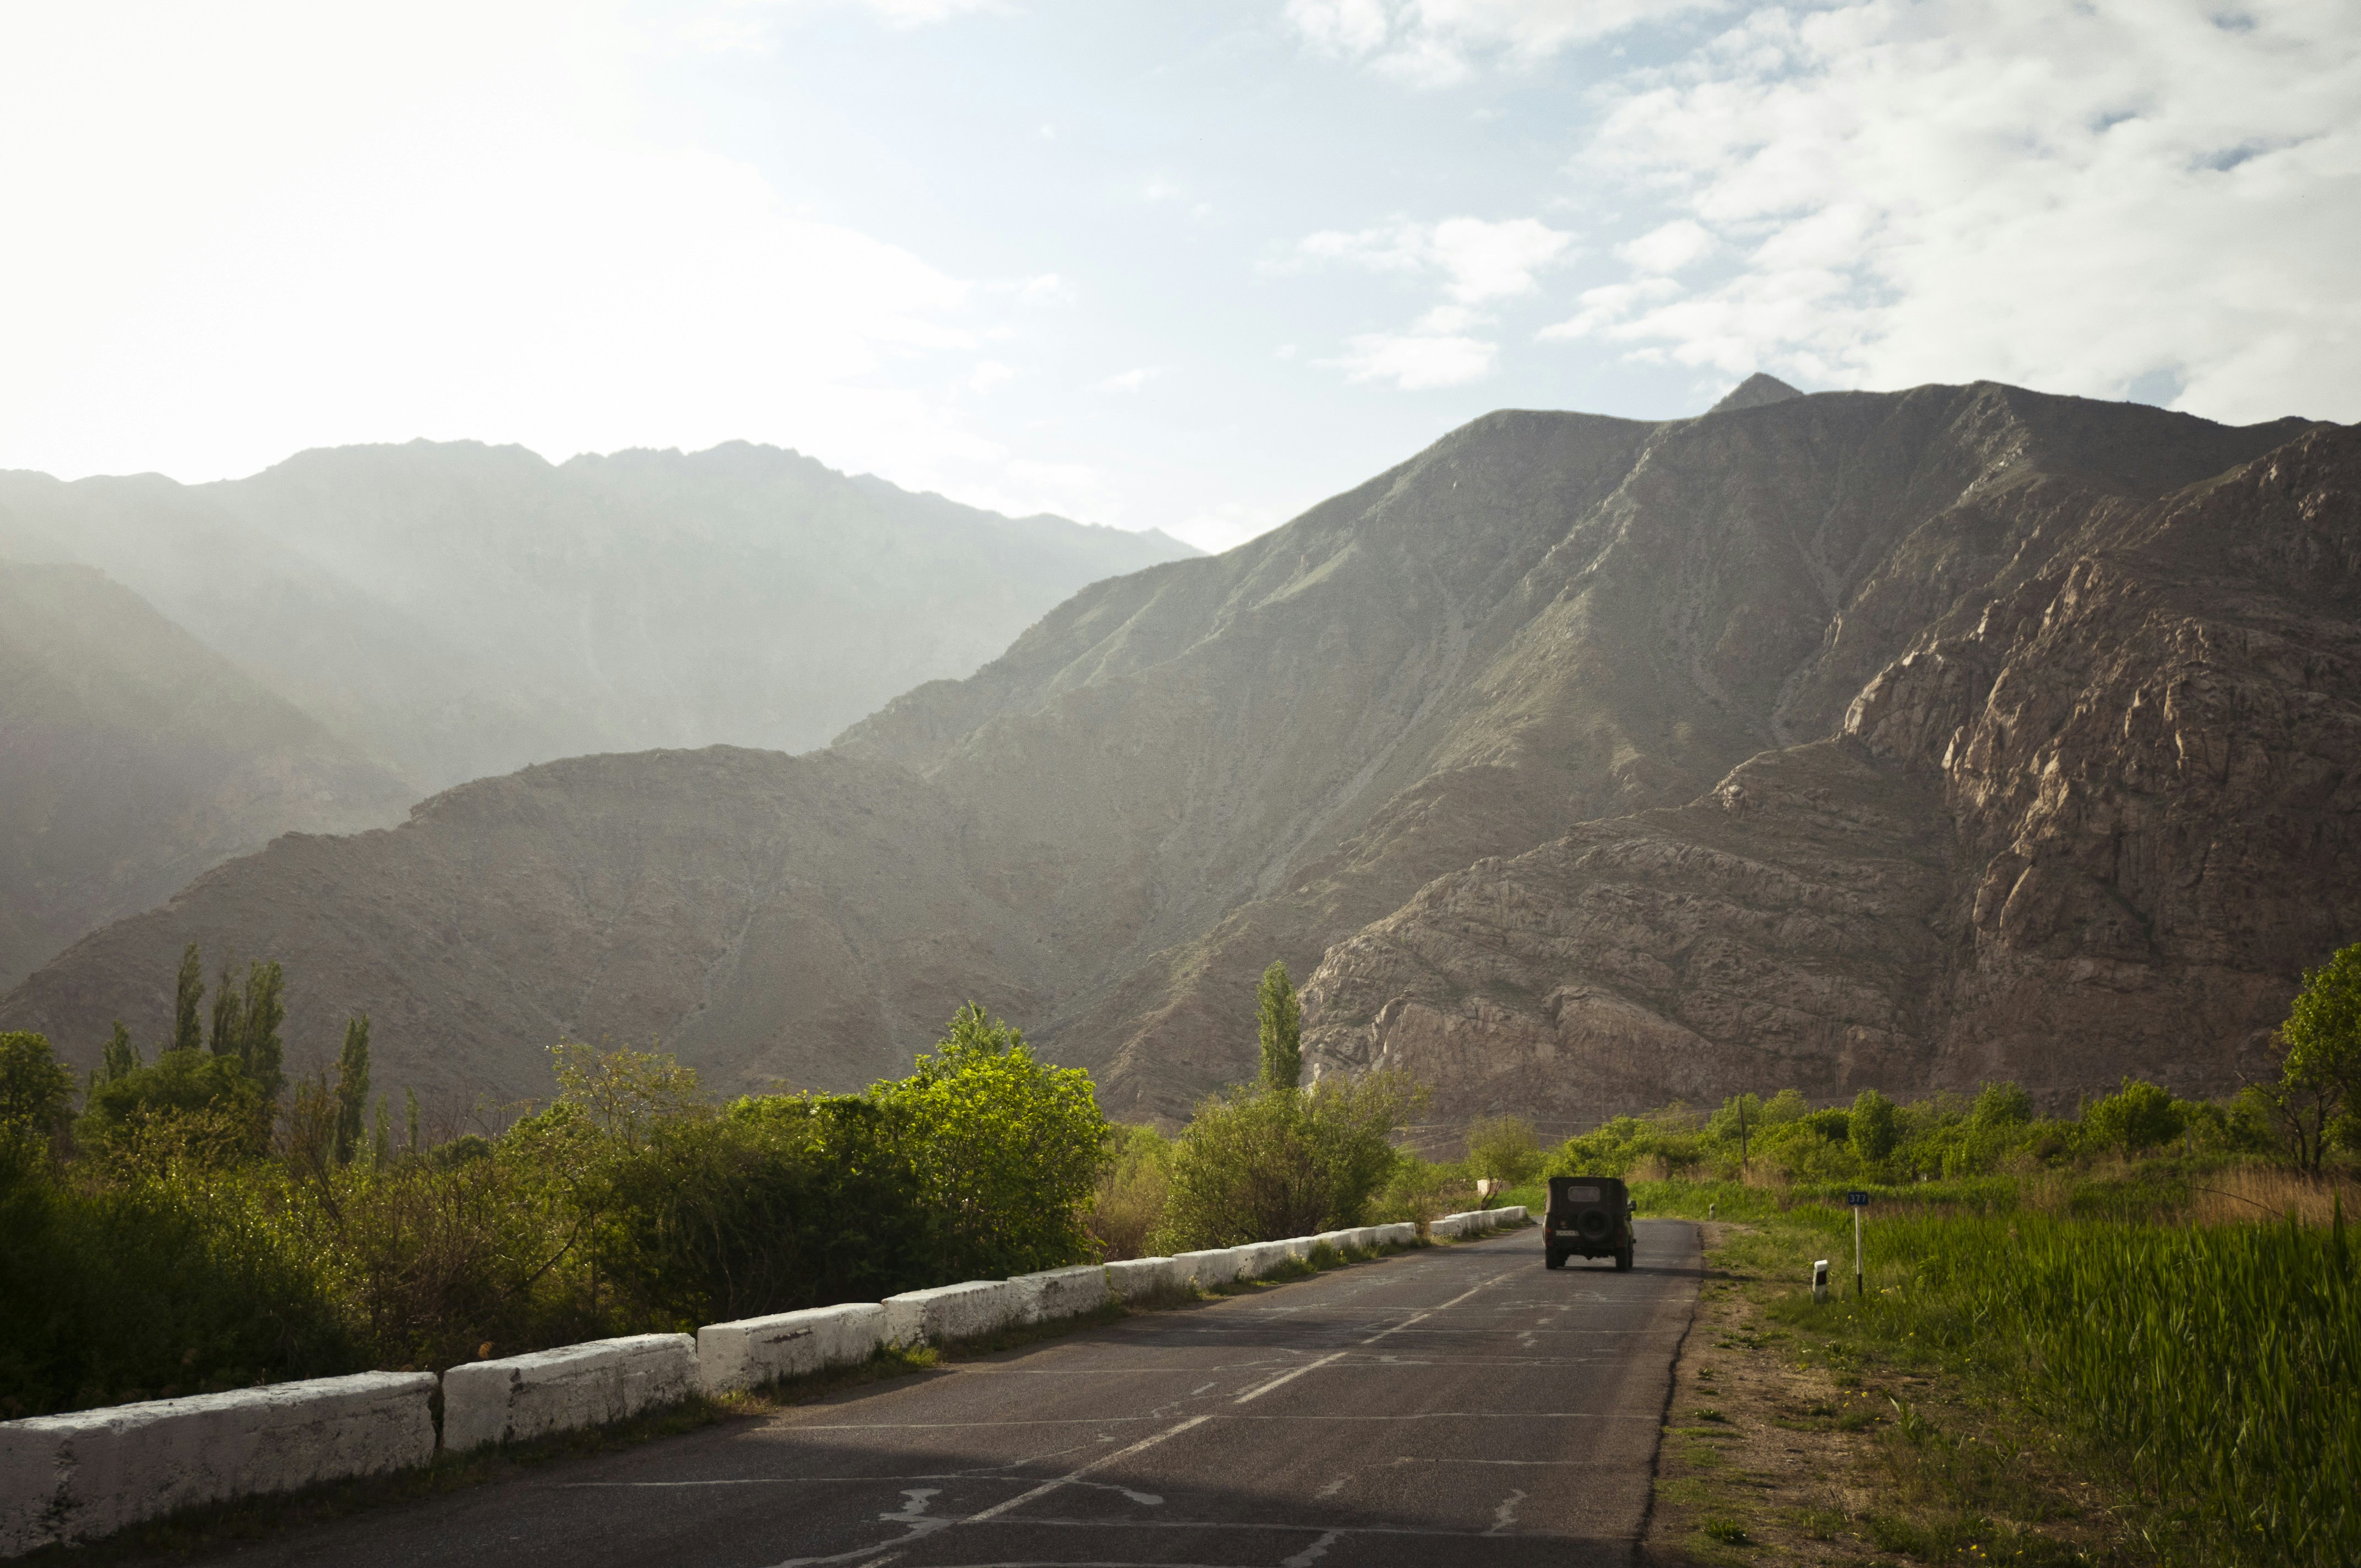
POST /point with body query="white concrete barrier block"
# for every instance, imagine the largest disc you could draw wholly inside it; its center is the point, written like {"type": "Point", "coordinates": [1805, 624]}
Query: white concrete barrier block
{"type": "Point", "coordinates": [1054, 1293]}
{"type": "Point", "coordinates": [1362, 1238]}
{"type": "Point", "coordinates": [91, 1473]}
{"type": "Point", "coordinates": [968, 1309]}
{"type": "Point", "coordinates": [1514, 1215]}
{"type": "Point", "coordinates": [1335, 1241]}
{"type": "Point", "coordinates": [1132, 1278]}
{"type": "Point", "coordinates": [1402, 1233]}
{"type": "Point", "coordinates": [1263, 1259]}
{"type": "Point", "coordinates": [754, 1351]}
{"type": "Point", "coordinates": [1215, 1265]}
{"type": "Point", "coordinates": [570, 1388]}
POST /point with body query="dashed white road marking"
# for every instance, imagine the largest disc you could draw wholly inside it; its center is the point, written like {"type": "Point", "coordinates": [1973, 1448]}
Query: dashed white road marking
{"type": "Point", "coordinates": [1260, 1389]}
{"type": "Point", "coordinates": [1046, 1487]}
{"type": "Point", "coordinates": [1309, 1554]}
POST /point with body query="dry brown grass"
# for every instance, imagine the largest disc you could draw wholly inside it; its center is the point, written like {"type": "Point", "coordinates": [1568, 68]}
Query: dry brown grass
{"type": "Point", "coordinates": [2247, 1193]}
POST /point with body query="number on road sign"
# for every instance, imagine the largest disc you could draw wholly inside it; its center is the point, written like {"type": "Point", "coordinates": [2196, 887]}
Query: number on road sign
{"type": "Point", "coordinates": [1857, 1198]}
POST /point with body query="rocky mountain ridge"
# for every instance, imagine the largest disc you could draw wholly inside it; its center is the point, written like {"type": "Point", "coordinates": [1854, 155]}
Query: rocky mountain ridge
{"type": "Point", "coordinates": [1572, 746]}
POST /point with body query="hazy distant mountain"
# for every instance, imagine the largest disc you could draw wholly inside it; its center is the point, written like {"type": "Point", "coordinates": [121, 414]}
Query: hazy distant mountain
{"type": "Point", "coordinates": [459, 609]}
{"type": "Point", "coordinates": [1890, 739]}
{"type": "Point", "coordinates": [132, 758]}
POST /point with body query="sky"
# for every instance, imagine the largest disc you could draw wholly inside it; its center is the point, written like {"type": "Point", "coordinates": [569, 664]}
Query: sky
{"type": "Point", "coordinates": [1192, 267]}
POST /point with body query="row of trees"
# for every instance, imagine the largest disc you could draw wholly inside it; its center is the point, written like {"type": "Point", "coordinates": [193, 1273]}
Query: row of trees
{"type": "Point", "coordinates": [223, 1090]}
{"type": "Point", "coordinates": [167, 1249]}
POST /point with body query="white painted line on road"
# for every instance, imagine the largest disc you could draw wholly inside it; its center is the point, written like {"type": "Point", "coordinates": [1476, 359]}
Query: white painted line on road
{"type": "Point", "coordinates": [1257, 1392]}
{"type": "Point", "coordinates": [1309, 1554]}
{"type": "Point", "coordinates": [1047, 1487]}
{"type": "Point", "coordinates": [1260, 1389]}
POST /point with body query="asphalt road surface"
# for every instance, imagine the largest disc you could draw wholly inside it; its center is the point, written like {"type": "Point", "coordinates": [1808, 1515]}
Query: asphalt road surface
{"type": "Point", "coordinates": [1457, 1405]}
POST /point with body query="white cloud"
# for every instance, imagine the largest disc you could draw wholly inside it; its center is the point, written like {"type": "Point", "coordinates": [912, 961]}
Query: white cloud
{"type": "Point", "coordinates": [1473, 262]}
{"type": "Point", "coordinates": [1131, 380]}
{"type": "Point", "coordinates": [2075, 198]}
{"type": "Point", "coordinates": [988, 374]}
{"type": "Point", "coordinates": [1669, 248]}
{"type": "Point", "coordinates": [1441, 43]}
{"type": "Point", "coordinates": [1416, 361]}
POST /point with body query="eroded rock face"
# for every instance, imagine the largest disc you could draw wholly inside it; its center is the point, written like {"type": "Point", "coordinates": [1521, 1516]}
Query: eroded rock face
{"type": "Point", "coordinates": [2095, 820]}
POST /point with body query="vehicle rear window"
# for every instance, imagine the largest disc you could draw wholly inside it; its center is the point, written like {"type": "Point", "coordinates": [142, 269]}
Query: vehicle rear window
{"type": "Point", "coordinates": [1582, 1194]}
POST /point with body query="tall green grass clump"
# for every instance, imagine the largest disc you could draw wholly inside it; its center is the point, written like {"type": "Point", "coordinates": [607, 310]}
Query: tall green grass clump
{"type": "Point", "coordinates": [2220, 1367]}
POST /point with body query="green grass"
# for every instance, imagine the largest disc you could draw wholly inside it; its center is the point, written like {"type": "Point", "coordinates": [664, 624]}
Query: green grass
{"type": "Point", "coordinates": [2214, 1371]}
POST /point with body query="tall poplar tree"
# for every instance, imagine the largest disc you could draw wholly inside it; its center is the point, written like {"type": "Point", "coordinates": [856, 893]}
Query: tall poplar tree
{"type": "Point", "coordinates": [229, 1037]}
{"type": "Point", "coordinates": [265, 1007]}
{"type": "Point", "coordinates": [187, 999]}
{"type": "Point", "coordinates": [352, 1087]}
{"type": "Point", "coordinates": [118, 1058]}
{"type": "Point", "coordinates": [1281, 1026]}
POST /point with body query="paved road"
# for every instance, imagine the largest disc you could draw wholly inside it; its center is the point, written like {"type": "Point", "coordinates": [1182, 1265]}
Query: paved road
{"type": "Point", "coordinates": [1459, 1405]}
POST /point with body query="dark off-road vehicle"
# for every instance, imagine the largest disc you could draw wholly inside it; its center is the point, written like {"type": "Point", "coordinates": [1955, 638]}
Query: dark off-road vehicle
{"type": "Point", "coordinates": [1588, 1216]}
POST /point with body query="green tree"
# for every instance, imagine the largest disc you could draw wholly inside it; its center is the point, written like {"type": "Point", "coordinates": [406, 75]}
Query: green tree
{"type": "Point", "coordinates": [2322, 1034]}
{"type": "Point", "coordinates": [1873, 1129]}
{"type": "Point", "coordinates": [1261, 1164]}
{"type": "Point", "coordinates": [352, 1087]}
{"type": "Point", "coordinates": [1280, 1020]}
{"type": "Point", "coordinates": [36, 1094]}
{"type": "Point", "coordinates": [229, 1037]}
{"type": "Point", "coordinates": [197, 1102]}
{"type": "Point", "coordinates": [2137, 1116]}
{"type": "Point", "coordinates": [187, 999]}
{"type": "Point", "coordinates": [624, 1092]}
{"type": "Point", "coordinates": [2000, 1105]}
{"type": "Point", "coordinates": [264, 1008]}
{"type": "Point", "coordinates": [118, 1056]}
{"type": "Point", "coordinates": [1129, 1203]}
{"type": "Point", "coordinates": [1504, 1149]}
{"type": "Point", "coordinates": [1009, 1150]}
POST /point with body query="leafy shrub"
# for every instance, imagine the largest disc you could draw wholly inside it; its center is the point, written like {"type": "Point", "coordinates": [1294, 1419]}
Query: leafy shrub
{"type": "Point", "coordinates": [146, 1290]}
{"type": "Point", "coordinates": [1504, 1149]}
{"type": "Point", "coordinates": [2139, 1117]}
{"type": "Point", "coordinates": [1263, 1163]}
{"type": "Point", "coordinates": [1129, 1202]}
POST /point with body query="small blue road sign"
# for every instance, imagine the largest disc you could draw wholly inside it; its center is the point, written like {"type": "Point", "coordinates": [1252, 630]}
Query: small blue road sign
{"type": "Point", "coordinates": [1857, 1198]}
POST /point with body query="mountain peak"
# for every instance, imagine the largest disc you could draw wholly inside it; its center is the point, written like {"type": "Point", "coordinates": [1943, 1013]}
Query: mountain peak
{"type": "Point", "coordinates": [1753, 392]}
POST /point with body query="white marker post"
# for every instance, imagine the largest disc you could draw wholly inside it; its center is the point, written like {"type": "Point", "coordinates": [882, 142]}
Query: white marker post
{"type": "Point", "coordinates": [1857, 1201]}
{"type": "Point", "coordinates": [1820, 1281]}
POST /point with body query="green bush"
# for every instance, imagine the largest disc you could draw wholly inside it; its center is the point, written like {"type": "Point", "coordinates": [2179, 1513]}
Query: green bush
{"type": "Point", "coordinates": [1263, 1163]}
{"type": "Point", "coordinates": [149, 1290]}
{"type": "Point", "coordinates": [1129, 1202]}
